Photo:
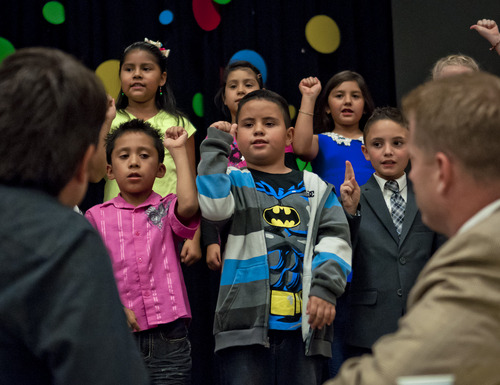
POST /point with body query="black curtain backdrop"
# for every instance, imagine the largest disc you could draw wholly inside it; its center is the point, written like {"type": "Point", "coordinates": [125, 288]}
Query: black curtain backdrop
{"type": "Point", "coordinates": [98, 30]}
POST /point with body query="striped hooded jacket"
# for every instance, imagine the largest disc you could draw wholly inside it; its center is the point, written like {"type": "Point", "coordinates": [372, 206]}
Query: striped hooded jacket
{"type": "Point", "coordinates": [242, 312]}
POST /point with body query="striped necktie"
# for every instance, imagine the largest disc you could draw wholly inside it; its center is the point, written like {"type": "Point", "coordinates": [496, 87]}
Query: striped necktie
{"type": "Point", "coordinates": [398, 205]}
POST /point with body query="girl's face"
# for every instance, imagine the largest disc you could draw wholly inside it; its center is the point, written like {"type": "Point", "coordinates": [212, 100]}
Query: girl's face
{"type": "Point", "coordinates": [140, 76]}
{"type": "Point", "coordinates": [346, 104]}
{"type": "Point", "coordinates": [239, 83]}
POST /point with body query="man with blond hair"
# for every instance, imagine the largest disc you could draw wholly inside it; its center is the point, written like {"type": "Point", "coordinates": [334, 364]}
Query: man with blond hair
{"type": "Point", "coordinates": [453, 320]}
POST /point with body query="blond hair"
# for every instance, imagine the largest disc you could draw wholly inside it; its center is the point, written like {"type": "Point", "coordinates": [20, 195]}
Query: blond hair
{"type": "Point", "coordinates": [459, 116]}
{"type": "Point", "coordinates": [454, 60]}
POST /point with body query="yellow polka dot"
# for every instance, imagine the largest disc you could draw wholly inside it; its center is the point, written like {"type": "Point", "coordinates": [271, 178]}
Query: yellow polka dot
{"type": "Point", "coordinates": [292, 110]}
{"type": "Point", "coordinates": [323, 34]}
{"type": "Point", "coordinates": [108, 73]}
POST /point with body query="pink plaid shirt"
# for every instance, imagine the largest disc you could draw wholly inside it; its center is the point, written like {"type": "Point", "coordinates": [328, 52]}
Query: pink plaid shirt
{"type": "Point", "coordinates": [144, 244]}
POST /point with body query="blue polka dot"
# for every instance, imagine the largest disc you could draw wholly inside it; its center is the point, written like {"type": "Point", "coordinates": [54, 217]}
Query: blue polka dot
{"type": "Point", "coordinates": [166, 17]}
{"type": "Point", "coordinates": [254, 58]}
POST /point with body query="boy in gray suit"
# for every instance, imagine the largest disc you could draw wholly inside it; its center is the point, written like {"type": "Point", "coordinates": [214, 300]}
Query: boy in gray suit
{"type": "Point", "coordinates": [392, 243]}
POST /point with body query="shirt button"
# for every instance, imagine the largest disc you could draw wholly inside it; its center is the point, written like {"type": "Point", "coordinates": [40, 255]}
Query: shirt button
{"type": "Point", "coordinates": [140, 260]}
{"type": "Point", "coordinates": [137, 233]}
{"type": "Point", "coordinates": [400, 292]}
{"type": "Point", "coordinates": [147, 293]}
{"type": "Point", "coordinates": [402, 260]}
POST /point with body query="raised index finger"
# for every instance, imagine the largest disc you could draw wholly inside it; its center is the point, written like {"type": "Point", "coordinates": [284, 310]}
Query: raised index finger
{"type": "Point", "coordinates": [349, 171]}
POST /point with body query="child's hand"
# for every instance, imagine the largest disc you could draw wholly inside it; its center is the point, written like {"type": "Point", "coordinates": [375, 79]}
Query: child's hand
{"type": "Point", "coordinates": [175, 137]}
{"type": "Point", "coordinates": [226, 127]}
{"type": "Point", "coordinates": [310, 86]}
{"type": "Point", "coordinates": [213, 257]}
{"type": "Point", "coordinates": [191, 252]}
{"type": "Point", "coordinates": [487, 29]}
{"type": "Point", "coordinates": [131, 320]}
{"type": "Point", "coordinates": [111, 111]}
{"type": "Point", "coordinates": [350, 192]}
{"type": "Point", "coordinates": [320, 312]}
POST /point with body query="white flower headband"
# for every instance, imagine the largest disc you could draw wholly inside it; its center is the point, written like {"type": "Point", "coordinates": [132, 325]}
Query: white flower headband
{"type": "Point", "coordinates": [164, 52]}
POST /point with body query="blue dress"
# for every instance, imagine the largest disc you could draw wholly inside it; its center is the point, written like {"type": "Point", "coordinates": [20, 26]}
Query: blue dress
{"type": "Point", "coordinates": [334, 150]}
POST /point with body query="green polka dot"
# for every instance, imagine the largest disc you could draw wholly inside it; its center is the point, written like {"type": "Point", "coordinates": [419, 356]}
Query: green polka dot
{"type": "Point", "coordinates": [198, 104]}
{"type": "Point", "coordinates": [223, 2]}
{"type": "Point", "coordinates": [304, 165]}
{"type": "Point", "coordinates": [53, 12]}
{"type": "Point", "coordinates": [6, 48]}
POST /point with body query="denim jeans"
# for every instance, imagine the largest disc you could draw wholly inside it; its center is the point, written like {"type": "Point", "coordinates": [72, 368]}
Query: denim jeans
{"type": "Point", "coordinates": [284, 362]}
{"type": "Point", "coordinates": [167, 353]}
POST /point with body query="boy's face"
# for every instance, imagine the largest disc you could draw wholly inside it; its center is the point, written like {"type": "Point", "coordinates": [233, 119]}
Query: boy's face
{"type": "Point", "coordinates": [135, 166]}
{"type": "Point", "coordinates": [262, 135]}
{"type": "Point", "coordinates": [386, 148]}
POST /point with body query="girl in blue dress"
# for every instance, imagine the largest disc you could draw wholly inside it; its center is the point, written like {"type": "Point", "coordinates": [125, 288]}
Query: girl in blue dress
{"type": "Point", "coordinates": [328, 131]}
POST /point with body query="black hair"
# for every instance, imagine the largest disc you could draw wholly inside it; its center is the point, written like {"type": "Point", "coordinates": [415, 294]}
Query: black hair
{"type": "Point", "coordinates": [325, 122]}
{"type": "Point", "coordinates": [233, 66]}
{"type": "Point", "coordinates": [165, 101]}
{"type": "Point", "coordinates": [385, 113]}
{"type": "Point", "coordinates": [51, 110]}
{"type": "Point", "coordinates": [270, 96]}
{"type": "Point", "coordinates": [135, 125]}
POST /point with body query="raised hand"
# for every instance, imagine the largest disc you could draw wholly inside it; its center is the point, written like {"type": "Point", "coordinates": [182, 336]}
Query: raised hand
{"type": "Point", "coordinates": [225, 126]}
{"type": "Point", "coordinates": [350, 192]}
{"type": "Point", "coordinates": [310, 86]}
{"type": "Point", "coordinates": [487, 29]}
{"type": "Point", "coordinates": [175, 137]}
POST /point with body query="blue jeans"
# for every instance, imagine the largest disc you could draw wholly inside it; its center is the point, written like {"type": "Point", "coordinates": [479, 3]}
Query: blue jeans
{"type": "Point", "coordinates": [284, 362]}
{"type": "Point", "coordinates": [167, 353]}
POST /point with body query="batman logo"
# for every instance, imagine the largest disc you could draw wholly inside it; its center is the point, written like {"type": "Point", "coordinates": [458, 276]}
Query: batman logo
{"type": "Point", "coordinates": [282, 216]}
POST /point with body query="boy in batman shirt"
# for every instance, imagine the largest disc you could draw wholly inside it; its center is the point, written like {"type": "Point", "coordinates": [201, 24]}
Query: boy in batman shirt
{"type": "Point", "coordinates": [287, 253]}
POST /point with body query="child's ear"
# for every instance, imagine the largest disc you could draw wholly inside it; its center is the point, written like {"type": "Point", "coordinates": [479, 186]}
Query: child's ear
{"type": "Point", "coordinates": [161, 171]}
{"type": "Point", "coordinates": [109, 172]}
{"type": "Point", "coordinates": [163, 79]}
{"type": "Point", "coordinates": [289, 135]}
{"type": "Point", "coordinates": [365, 152]}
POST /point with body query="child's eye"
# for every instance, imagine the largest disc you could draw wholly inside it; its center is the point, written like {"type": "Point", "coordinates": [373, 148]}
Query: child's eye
{"type": "Point", "coordinates": [231, 86]}
{"type": "Point", "coordinates": [398, 143]}
{"type": "Point", "coordinates": [123, 156]}
{"type": "Point", "coordinates": [377, 144]}
{"type": "Point", "coordinates": [144, 156]}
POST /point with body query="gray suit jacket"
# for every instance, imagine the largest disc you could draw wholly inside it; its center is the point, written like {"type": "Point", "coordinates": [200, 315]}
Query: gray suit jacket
{"type": "Point", "coordinates": [453, 320]}
{"type": "Point", "coordinates": [385, 266]}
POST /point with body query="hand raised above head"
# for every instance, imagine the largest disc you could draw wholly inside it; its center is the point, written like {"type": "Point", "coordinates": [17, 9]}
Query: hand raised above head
{"type": "Point", "coordinates": [310, 86]}
{"type": "Point", "coordinates": [350, 193]}
{"type": "Point", "coordinates": [488, 29]}
{"type": "Point", "coordinates": [175, 137]}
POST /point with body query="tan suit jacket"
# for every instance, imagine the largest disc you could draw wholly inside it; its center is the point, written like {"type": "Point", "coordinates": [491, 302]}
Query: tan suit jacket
{"type": "Point", "coordinates": [453, 320]}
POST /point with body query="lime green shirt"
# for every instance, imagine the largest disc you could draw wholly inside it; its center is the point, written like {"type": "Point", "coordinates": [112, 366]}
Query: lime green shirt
{"type": "Point", "coordinates": [162, 120]}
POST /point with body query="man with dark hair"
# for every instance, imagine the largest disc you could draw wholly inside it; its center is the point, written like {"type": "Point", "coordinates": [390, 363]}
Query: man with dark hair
{"type": "Point", "coordinates": [60, 315]}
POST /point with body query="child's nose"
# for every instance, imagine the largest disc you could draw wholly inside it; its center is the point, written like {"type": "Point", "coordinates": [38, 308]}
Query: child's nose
{"type": "Point", "coordinates": [388, 149]}
{"type": "Point", "coordinates": [133, 161]}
